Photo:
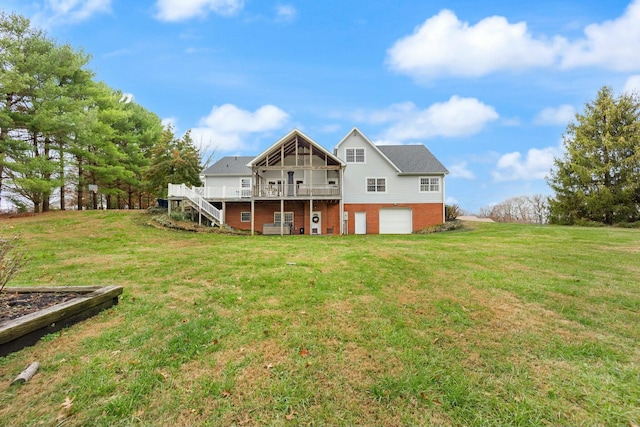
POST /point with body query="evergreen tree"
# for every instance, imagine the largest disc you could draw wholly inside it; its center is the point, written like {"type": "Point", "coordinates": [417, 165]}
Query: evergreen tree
{"type": "Point", "coordinates": [599, 177]}
{"type": "Point", "coordinates": [175, 161]}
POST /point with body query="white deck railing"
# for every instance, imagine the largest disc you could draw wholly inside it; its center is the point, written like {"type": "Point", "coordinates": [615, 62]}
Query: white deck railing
{"type": "Point", "coordinates": [296, 190]}
{"type": "Point", "coordinates": [192, 195]}
{"type": "Point", "coordinates": [265, 190]}
{"type": "Point", "coordinates": [175, 190]}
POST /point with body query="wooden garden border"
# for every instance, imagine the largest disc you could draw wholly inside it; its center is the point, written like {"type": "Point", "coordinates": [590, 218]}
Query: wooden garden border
{"type": "Point", "coordinates": [27, 330]}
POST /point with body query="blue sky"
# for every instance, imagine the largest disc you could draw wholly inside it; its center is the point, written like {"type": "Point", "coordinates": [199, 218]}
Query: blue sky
{"type": "Point", "coordinates": [488, 86]}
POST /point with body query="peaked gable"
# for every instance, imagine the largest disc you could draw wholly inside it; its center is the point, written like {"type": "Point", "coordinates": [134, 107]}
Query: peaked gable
{"type": "Point", "coordinates": [356, 132]}
{"type": "Point", "coordinates": [289, 145]}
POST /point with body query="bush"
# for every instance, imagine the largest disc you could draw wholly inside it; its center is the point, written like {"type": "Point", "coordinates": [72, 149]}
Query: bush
{"type": "Point", "coordinates": [12, 258]}
{"type": "Point", "coordinates": [447, 226]}
{"type": "Point", "coordinates": [451, 212]}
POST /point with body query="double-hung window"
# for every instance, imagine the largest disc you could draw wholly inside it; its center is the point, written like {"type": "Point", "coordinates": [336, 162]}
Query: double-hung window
{"type": "Point", "coordinates": [288, 217]}
{"type": "Point", "coordinates": [354, 155]}
{"type": "Point", "coordinates": [429, 184]}
{"type": "Point", "coordinates": [376, 185]}
{"type": "Point", "coordinates": [245, 216]}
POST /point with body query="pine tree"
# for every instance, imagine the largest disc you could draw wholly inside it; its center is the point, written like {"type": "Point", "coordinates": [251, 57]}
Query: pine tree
{"type": "Point", "coordinates": [598, 179]}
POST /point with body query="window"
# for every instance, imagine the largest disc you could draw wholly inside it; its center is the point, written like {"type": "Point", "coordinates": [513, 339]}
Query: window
{"type": "Point", "coordinates": [245, 187]}
{"type": "Point", "coordinates": [354, 155]}
{"type": "Point", "coordinates": [288, 217]}
{"type": "Point", "coordinates": [429, 184]}
{"type": "Point", "coordinates": [245, 216]}
{"type": "Point", "coordinates": [376, 185]}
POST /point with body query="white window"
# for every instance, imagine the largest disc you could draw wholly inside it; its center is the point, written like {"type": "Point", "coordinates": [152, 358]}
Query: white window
{"type": "Point", "coordinates": [376, 185]}
{"type": "Point", "coordinates": [245, 187]}
{"type": "Point", "coordinates": [288, 217]}
{"type": "Point", "coordinates": [245, 216]}
{"type": "Point", "coordinates": [429, 184]}
{"type": "Point", "coordinates": [354, 155]}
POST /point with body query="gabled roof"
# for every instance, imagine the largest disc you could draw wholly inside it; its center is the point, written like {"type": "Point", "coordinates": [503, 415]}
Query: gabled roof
{"type": "Point", "coordinates": [406, 159]}
{"type": "Point", "coordinates": [230, 165]}
{"type": "Point", "coordinates": [288, 144]}
{"type": "Point", "coordinates": [354, 131]}
{"type": "Point", "coordinates": [413, 159]}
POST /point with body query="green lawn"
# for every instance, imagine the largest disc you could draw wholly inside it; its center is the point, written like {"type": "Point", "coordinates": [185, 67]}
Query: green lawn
{"type": "Point", "coordinates": [495, 324]}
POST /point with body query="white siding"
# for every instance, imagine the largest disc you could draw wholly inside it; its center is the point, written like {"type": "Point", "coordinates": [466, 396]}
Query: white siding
{"type": "Point", "coordinates": [224, 181]}
{"type": "Point", "coordinates": [400, 189]}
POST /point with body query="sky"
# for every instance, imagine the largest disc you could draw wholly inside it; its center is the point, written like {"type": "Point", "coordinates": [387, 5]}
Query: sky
{"type": "Point", "coordinates": [488, 86]}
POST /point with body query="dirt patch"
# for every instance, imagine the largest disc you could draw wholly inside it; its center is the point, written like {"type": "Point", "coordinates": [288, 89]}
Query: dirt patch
{"type": "Point", "coordinates": [14, 305]}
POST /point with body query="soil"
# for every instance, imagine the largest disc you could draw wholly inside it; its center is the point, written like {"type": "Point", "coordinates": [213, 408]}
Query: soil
{"type": "Point", "coordinates": [14, 305]}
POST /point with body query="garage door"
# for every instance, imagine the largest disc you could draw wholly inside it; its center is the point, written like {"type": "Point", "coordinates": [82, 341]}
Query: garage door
{"type": "Point", "coordinates": [395, 221]}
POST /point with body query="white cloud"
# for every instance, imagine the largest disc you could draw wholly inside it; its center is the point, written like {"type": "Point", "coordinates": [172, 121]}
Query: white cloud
{"type": "Point", "coordinates": [227, 127]}
{"type": "Point", "coordinates": [611, 44]}
{"type": "Point", "coordinates": [456, 117]}
{"type": "Point", "coordinates": [179, 10]}
{"type": "Point", "coordinates": [461, 170]}
{"type": "Point", "coordinates": [170, 121]}
{"type": "Point", "coordinates": [55, 12]}
{"type": "Point", "coordinates": [632, 84]}
{"type": "Point", "coordinates": [535, 165]}
{"type": "Point", "coordinates": [444, 45]}
{"type": "Point", "coordinates": [286, 13]}
{"type": "Point", "coordinates": [560, 115]}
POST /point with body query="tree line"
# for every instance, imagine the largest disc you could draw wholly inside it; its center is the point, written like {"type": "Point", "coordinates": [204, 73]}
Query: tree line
{"type": "Point", "coordinates": [63, 133]}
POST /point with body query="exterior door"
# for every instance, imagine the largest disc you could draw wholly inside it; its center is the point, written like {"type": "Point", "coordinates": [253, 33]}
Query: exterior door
{"type": "Point", "coordinates": [396, 221]}
{"type": "Point", "coordinates": [361, 223]}
{"type": "Point", "coordinates": [316, 223]}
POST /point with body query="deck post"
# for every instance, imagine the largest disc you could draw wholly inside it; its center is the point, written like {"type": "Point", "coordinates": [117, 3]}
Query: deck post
{"type": "Point", "coordinates": [253, 223]}
{"type": "Point", "coordinates": [282, 217]}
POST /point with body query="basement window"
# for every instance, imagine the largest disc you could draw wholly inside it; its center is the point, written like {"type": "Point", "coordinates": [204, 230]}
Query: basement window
{"type": "Point", "coordinates": [245, 216]}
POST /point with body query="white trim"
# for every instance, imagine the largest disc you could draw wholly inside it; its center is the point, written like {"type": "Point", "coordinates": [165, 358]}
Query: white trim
{"type": "Point", "coordinates": [429, 184]}
{"type": "Point", "coordinates": [355, 131]}
{"type": "Point", "coordinates": [355, 156]}
{"type": "Point", "coordinates": [285, 138]}
{"type": "Point", "coordinates": [366, 183]}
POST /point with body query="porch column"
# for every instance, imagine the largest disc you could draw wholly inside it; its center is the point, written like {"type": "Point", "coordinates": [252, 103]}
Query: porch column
{"type": "Point", "coordinates": [310, 215]}
{"type": "Point", "coordinates": [222, 214]}
{"type": "Point", "coordinates": [282, 217]}
{"type": "Point", "coordinates": [253, 205]}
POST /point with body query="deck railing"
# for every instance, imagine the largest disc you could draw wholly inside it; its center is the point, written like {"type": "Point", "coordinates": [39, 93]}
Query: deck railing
{"type": "Point", "coordinates": [264, 190]}
{"type": "Point", "coordinates": [206, 208]}
{"type": "Point", "coordinates": [296, 190]}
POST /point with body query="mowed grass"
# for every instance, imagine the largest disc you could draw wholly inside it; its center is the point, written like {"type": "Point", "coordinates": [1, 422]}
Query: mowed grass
{"type": "Point", "coordinates": [494, 324]}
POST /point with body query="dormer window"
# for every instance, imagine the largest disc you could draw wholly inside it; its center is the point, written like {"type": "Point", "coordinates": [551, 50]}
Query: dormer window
{"type": "Point", "coordinates": [354, 155]}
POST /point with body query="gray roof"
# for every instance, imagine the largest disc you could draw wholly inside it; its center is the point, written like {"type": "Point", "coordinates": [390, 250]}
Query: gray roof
{"type": "Point", "coordinates": [413, 159]}
{"type": "Point", "coordinates": [230, 165]}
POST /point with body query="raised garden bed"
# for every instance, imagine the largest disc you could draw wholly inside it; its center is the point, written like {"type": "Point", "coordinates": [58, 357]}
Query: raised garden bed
{"type": "Point", "coordinates": [77, 303]}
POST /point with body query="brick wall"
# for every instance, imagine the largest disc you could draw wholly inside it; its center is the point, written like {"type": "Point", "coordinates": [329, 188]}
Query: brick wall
{"type": "Point", "coordinates": [330, 213]}
{"type": "Point", "coordinates": [424, 215]}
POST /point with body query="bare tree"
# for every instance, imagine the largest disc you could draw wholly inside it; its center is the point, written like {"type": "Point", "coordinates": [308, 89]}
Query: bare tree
{"type": "Point", "coordinates": [523, 209]}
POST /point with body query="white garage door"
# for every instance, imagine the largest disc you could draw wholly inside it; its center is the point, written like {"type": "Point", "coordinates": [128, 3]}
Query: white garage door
{"type": "Point", "coordinates": [395, 221]}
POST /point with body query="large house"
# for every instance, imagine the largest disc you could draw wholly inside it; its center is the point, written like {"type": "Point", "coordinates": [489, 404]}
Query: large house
{"type": "Point", "coordinates": [298, 187]}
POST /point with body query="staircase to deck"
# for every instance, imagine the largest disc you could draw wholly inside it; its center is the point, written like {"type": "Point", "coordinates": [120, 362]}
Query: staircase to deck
{"type": "Point", "coordinates": [197, 202]}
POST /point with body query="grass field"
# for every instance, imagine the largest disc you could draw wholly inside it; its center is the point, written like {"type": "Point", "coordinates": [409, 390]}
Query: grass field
{"type": "Point", "coordinates": [494, 324]}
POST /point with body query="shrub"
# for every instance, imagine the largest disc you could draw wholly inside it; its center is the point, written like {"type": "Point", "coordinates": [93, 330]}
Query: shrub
{"type": "Point", "coordinates": [447, 226]}
{"type": "Point", "coordinates": [451, 212]}
{"type": "Point", "coordinates": [12, 258]}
